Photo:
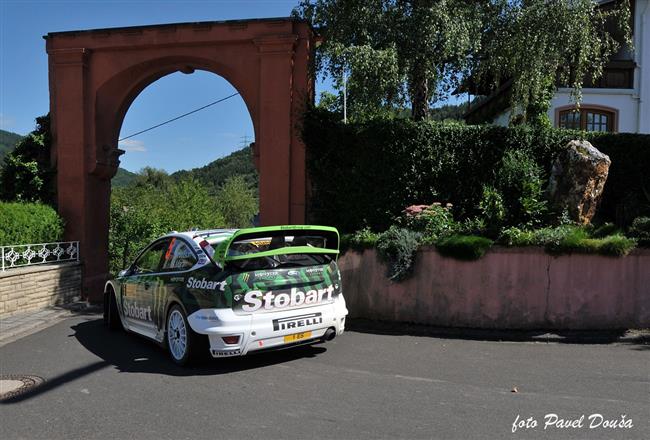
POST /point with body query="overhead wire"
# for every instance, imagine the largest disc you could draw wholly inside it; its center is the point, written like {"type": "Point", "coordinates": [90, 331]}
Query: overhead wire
{"type": "Point", "coordinates": [178, 117]}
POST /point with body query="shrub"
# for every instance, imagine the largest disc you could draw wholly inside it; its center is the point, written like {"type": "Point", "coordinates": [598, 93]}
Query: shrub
{"type": "Point", "coordinates": [463, 247]}
{"type": "Point", "coordinates": [640, 230]}
{"type": "Point", "coordinates": [365, 173]}
{"type": "Point", "coordinates": [616, 245]}
{"type": "Point", "coordinates": [520, 181]}
{"type": "Point", "coordinates": [397, 247]}
{"type": "Point", "coordinates": [570, 238]}
{"type": "Point", "coordinates": [492, 207]}
{"type": "Point", "coordinates": [24, 223]}
{"type": "Point", "coordinates": [434, 221]}
{"type": "Point", "coordinates": [360, 240]}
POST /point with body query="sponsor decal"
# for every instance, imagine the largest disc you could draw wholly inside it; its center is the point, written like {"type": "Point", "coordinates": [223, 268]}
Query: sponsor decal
{"type": "Point", "coordinates": [293, 322]}
{"type": "Point", "coordinates": [193, 283]}
{"type": "Point", "coordinates": [256, 299]}
{"type": "Point", "coordinates": [314, 270]}
{"type": "Point", "coordinates": [226, 353]}
{"type": "Point", "coordinates": [293, 273]}
{"type": "Point", "coordinates": [133, 311]}
{"type": "Point", "coordinates": [177, 279]}
{"type": "Point", "coordinates": [261, 275]}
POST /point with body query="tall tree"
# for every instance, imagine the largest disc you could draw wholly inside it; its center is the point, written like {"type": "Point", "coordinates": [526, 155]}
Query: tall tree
{"type": "Point", "coordinates": [538, 44]}
{"type": "Point", "coordinates": [394, 51]}
{"type": "Point", "coordinates": [398, 51]}
{"type": "Point", "coordinates": [27, 174]}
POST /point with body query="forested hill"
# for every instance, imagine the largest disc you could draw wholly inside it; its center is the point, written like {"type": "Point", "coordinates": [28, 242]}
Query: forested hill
{"type": "Point", "coordinates": [214, 174]}
{"type": "Point", "coordinates": [8, 141]}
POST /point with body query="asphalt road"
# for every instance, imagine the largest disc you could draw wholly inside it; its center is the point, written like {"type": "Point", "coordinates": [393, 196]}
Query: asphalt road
{"type": "Point", "coordinates": [103, 385]}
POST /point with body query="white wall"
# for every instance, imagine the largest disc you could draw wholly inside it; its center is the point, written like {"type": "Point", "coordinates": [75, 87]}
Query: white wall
{"type": "Point", "coordinates": [633, 105]}
{"type": "Point", "coordinates": [625, 101]}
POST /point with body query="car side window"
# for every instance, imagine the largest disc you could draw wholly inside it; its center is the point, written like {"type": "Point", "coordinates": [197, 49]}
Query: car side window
{"type": "Point", "coordinates": [149, 261]}
{"type": "Point", "coordinates": [179, 256]}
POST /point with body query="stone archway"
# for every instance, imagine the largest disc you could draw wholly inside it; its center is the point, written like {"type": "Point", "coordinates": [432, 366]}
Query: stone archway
{"type": "Point", "coordinates": [96, 74]}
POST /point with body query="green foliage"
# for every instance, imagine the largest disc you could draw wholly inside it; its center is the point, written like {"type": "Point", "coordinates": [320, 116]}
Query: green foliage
{"type": "Point", "coordinates": [214, 175]}
{"type": "Point", "coordinates": [519, 179]}
{"type": "Point", "coordinates": [640, 230]}
{"type": "Point", "coordinates": [463, 247]}
{"type": "Point", "coordinates": [27, 174]}
{"type": "Point", "coordinates": [237, 202]}
{"type": "Point", "coordinates": [398, 51]}
{"type": "Point", "coordinates": [8, 142]}
{"type": "Point", "coordinates": [360, 240]}
{"type": "Point", "coordinates": [433, 222]}
{"type": "Point", "coordinates": [25, 223]}
{"type": "Point", "coordinates": [535, 43]}
{"type": "Point", "coordinates": [566, 239]}
{"type": "Point", "coordinates": [492, 207]}
{"type": "Point", "coordinates": [143, 212]}
{"type": "Point", "coordinates": [397, 247]}
{"type": "Point", "coordinates": [365, 174]}
{"type": "Point", "coordinates": [393, 51]}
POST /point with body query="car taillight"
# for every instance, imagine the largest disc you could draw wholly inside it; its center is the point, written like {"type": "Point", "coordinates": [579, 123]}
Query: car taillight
{"type": "Point", "coordinates": [230, 339]}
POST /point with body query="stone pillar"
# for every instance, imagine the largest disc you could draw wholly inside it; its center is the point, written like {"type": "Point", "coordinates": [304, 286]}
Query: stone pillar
{"type": "Point", "coordinates": [274, 143]}
{"type": "Point", "coordinates": [83, 200]}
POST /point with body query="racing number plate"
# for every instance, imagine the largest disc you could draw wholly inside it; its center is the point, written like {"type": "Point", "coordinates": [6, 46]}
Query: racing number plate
{"type": "Point", "coordinates": [297, 337]}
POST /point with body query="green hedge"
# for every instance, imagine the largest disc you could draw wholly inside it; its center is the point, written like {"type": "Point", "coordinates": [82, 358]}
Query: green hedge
{"type": "Point", "coordinates": [364, 174]}
{"type": "Point", "coordinates": [24, 223]}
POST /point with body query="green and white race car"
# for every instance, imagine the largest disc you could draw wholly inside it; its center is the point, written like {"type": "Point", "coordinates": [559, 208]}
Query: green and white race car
{"type": "Point", "coordinates": [232, 292]}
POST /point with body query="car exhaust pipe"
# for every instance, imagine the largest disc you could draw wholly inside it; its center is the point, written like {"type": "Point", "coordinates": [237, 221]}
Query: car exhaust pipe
{"type": "Point", "coordinates": [329, 334]}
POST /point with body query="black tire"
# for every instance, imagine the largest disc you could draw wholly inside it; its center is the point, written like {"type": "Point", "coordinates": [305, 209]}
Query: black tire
{"type": "Point", "coordinates": [184, 346]}
{"type": "Point", "coordinates": [111, 314]}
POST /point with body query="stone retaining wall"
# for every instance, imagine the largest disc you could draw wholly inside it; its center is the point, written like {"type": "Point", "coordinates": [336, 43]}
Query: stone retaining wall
{"type": "Point", "coordinates": [521, 288]}
{"type": "Point", "coordinates": [36, 287]}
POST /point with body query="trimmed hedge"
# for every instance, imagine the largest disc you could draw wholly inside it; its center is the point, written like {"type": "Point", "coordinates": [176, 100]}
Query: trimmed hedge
{"type": "Point", "coordinates": [24, 223]}
{"type": "Point", "coordinates": [364, 174]}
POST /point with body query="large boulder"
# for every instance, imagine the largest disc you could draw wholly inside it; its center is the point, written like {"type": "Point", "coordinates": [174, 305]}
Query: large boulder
{"type": "Point", "coordinates": [577, 180]}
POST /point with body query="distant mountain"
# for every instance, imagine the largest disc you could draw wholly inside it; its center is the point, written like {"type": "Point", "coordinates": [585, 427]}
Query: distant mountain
{"type": "Point", "coordinates": [214, 174]}
{"type": "Point", "coordinates": [123, 178]}
{"type": "Point", "coordinates": [8, 141]}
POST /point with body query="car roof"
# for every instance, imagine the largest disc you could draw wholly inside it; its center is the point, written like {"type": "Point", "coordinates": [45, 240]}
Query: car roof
{"type": "Point", "coordinates": [208, 234]}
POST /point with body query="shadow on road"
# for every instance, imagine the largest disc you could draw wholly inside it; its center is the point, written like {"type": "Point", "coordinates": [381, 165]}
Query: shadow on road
{"type": "Point", "coordinates": [639, 339]}
{"type": "Point", "coordinates": [130, 353]}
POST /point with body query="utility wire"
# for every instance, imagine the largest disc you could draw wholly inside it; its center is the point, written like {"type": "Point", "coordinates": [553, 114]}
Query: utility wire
{"type": "Point", "coordinates": [178, 117]}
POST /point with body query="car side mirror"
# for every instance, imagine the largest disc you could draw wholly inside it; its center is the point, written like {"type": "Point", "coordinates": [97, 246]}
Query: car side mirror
{"type": "Point", "coordinates": [124, 273]}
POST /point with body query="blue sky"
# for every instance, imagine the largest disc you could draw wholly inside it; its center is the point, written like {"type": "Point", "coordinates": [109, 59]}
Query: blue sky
{"type": "Point", "coordinates": [190, 142]}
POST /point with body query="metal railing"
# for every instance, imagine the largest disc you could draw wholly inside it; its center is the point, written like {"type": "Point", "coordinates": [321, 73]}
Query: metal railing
{"type": "Point", "coordinates": [21, 255]}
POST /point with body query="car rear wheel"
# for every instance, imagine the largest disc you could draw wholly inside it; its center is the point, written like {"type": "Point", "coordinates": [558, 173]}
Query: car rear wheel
{"type": "Point", "coordinates": [183, 343]}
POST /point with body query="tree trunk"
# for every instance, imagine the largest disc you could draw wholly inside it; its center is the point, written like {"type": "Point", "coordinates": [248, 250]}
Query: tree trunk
{"type": "Point", "coordinates": [419, 94]}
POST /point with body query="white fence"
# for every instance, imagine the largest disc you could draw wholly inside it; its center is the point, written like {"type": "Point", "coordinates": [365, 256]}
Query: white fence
{"type": "Point", "coordinates": [21, 255]}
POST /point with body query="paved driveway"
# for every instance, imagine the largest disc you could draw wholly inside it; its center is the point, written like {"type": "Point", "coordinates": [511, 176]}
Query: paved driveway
{"type": "Point", "coordinates": [362, 385]}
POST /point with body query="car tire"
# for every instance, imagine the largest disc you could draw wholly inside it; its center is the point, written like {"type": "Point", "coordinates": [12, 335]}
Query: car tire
{"type": "Point", "coordinates": [111, 314]}
{"type": "Point", "coordinates": [185, 346]}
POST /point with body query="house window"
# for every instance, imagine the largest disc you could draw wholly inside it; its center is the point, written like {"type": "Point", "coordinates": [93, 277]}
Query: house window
{"type": "Point", "coordinates": [588, 119]}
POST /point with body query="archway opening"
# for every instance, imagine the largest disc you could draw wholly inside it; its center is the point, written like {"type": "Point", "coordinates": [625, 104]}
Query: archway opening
{"type": "Point", "coordinates": [196, 171]}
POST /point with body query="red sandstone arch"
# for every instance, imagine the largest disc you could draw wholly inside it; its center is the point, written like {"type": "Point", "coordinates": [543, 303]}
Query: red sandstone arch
{"type": "Point", "coordinates": [96, 74]}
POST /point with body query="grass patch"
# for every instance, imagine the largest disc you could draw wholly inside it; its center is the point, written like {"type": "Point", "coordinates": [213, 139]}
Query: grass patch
{"type": "Point", "coordinates": [568, 239]}
{"type": "Point", "coordinates": [463, 247]}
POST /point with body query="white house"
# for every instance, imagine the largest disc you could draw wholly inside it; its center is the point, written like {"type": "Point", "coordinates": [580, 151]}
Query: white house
{"type": "Point", "coordinates": [619, 101]}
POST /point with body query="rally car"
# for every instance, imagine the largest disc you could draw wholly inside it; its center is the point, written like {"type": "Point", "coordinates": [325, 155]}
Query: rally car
{"type": "Point", "coordinates": [232, 292]}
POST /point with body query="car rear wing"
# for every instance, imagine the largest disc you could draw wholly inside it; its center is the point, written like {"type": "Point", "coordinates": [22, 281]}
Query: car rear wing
{"type": "Point", "coordinates": [278, 240]}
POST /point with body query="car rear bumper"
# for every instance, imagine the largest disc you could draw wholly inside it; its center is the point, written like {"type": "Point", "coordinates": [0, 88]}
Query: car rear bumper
{"type": "Point", "coordinates": [271, 330]}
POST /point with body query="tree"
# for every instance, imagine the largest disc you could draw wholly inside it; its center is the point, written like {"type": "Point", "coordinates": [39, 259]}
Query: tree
{"type": "Point", "coordinates": [394, 51]}
{"type": "Point", "coordinates": [237, 202]}
{"type": "Point", "coordinates": [398, 51]}
{"type": "Point", "coordinates": [27, 174]}
{"type": "Point", "coordinates": [538, 44]}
